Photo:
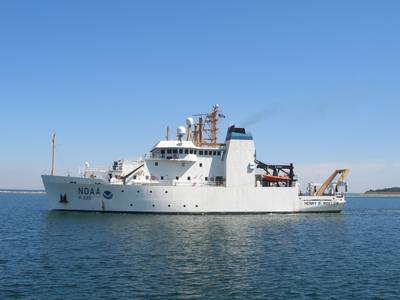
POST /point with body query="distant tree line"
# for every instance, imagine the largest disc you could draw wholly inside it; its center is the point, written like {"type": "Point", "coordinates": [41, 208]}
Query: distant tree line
{"type": "Point", "coordinates": [386, 190]}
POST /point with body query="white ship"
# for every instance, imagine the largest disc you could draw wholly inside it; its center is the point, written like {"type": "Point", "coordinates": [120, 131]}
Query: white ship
{"type": "Point", "coordinates": [195, 174]}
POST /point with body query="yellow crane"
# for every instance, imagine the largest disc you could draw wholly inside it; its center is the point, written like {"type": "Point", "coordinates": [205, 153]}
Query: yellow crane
{"type": "Point", "coordinates": [343, 175]}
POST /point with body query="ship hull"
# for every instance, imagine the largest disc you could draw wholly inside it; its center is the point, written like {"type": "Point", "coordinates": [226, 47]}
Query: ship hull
{"type": "Point", "coordinates": [84, 194]}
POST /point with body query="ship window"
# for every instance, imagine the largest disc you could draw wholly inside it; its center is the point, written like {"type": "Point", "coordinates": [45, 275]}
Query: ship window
{"type": "Point", "coordinates": [195, 151]}
{"type": "Point", "coordinates": [214, 152]}
{"type": "Point", "coordinates": [219, 153]}
{"type": "Point", "coordinates": [197, 205]}
{"type": "Point", "coordinates": [177, 177]}
{"type": "Point", "coordinates": [147, 177]}
{"type": "Point", "coordinates": [206, 179]}
{"type": "Point", "coordinates": [156, 163]}
{"type": "Point", "coordinates": [134, 177]}
{"type": "Point", "coordinates": [186, 151]}
{"type": "Point", "coordinates": [151, 192]}
{"type": "Point", "coordinates": [162, 151]}
{"type": "Point", "coordinates": [210, 153]}
{"type": "Point", "coordinates": [201, 165]}
{"type": "Point", "coordinates": [166, 192]}
{"type": "Point", "coordinates": [153, 205]}
{"type": "Point", "coordinates": [206, 152]}
{"type": "Point", "coordinates": [169, 151]}
{"type": "Point", "coordinates": [175, 151]}
{"type": "Point", "coordinates": [189, 178]}
{"type": "Point", "coordinates": [138, 191]}
{"type": "Point", "coordinates": [180, 151]}
{"type": "Point", "coordinates": [201, 152]}
{"type": "Point", "coordinates": [162, 177]}
{"type": "Point", "coordinates": [191, 151]}
{"type": "Point", "coordinates": [169, 205]}
{"type": "Point", "coordinates": [184, 205]}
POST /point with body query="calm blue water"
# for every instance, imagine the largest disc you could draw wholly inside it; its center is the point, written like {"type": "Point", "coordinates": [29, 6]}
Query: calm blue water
{"type": "Point", "coordinates": [63, 255]}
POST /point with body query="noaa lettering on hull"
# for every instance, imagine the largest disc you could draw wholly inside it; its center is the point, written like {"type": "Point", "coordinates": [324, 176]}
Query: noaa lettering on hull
{"type": "Point", "coordinates": [194, 173]}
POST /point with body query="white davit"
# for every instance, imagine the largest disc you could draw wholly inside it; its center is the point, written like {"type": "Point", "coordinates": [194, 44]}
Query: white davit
{"type": "Point", "coordinates": [195, 174]}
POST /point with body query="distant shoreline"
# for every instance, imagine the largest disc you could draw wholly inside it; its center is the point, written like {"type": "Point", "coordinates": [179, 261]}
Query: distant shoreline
{"type": "Point", "coordinates": [38, 192]}
{"type": "Point", "coordinates": [381, 194]}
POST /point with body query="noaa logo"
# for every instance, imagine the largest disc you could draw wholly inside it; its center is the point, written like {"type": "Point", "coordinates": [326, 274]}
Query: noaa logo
{"type": "Point", "coordinates": [107, 194]}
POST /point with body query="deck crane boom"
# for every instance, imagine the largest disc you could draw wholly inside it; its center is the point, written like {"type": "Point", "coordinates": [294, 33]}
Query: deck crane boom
{"type": "Point", "coordinates": [343, 175]}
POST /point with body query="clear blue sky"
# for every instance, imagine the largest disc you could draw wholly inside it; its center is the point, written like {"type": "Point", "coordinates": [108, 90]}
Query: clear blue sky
{"type": "Point", "coordinates": [108, 76]}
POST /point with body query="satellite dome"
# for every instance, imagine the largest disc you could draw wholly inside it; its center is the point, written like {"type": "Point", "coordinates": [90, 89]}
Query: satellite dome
{"type": "Point", "coordinates": [181, 130]}
{"type": "Point", "coordinates": [189, 121]}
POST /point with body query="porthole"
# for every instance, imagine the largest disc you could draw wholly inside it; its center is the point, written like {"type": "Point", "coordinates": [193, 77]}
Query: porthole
{"type": "Point", "coordinates": [138, 191]}
{"type": "Point", "coordinates": [153, 205]}
{"type": "Point", "coordinates": [166, 192]}
{"type": "Point", "coordinates": [201, 165]}
{"type": "Point", "coordinates": [151, 192]}
{"type": "Point", "coordinates": [169, 205]}
{"type": "Point", "coordinates": [184, 205]}
{"type": "Point", "coordinates": [197, 205]}
{"type": "Point", "coordinates": [131, 204]}
{"type": "Point", "coordinates": [162, 177]}
{"type": "Point", "coordinates": [122, 191]}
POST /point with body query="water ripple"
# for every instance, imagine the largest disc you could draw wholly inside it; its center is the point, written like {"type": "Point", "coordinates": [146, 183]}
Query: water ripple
{"type": "Point", "coordinates": [61, 255]}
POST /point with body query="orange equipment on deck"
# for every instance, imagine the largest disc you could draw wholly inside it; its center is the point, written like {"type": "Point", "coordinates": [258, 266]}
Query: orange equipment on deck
{"type": "Point", "coordinates": [271, 178]}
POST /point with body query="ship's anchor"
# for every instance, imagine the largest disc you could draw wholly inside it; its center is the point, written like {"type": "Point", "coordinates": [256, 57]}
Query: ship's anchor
{"type": "Point", "coordinates": [63, 199]}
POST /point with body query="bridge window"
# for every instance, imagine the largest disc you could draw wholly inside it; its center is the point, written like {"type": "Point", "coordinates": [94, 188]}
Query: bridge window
{"type": "Point", "coordinates": [162, 151]}
{"type": "Point", "coordinates": [191, 151]}
{"type": "Point", "coordinates": [175, 151]}
{"type": "Point", "coordinates": [214, 152]}
{"type": "Point", "coordinates": [195, 151]}
{"type": "Point", "coordinates": [201, 152]}
{"type": "Point", "coordinates": [180, 151]}
{"type": "Point", "coordinates": [169, 151]}
{"type": "Point", "coordinates": [186, 151]}
{"type": "Point", "coordinates": [219, 153]}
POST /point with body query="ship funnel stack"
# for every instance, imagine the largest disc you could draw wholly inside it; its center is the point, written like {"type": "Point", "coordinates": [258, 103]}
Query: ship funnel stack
{"type": "Point", "coordinates": [240, 167]}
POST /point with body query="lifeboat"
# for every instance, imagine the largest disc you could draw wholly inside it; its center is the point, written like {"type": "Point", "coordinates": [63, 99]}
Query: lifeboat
{"type": "Point", "coordinates": [271, 178]}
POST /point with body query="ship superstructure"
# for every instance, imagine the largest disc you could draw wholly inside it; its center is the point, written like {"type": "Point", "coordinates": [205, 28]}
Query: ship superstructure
{"type": "Point", "coordinates": [195, 174]}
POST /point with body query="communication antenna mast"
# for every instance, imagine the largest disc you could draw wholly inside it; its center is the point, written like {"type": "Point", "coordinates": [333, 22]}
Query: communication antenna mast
{"type": "Point", "coordinates": [53, 154]}
{"type": "Point", "coordinates": [208, 131]}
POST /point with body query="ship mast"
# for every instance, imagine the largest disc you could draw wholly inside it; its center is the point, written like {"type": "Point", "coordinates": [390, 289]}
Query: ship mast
{"type": "Point", "coordinates": [53, 155]}
{"type": "Point", "coordinates": [207, 128]}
